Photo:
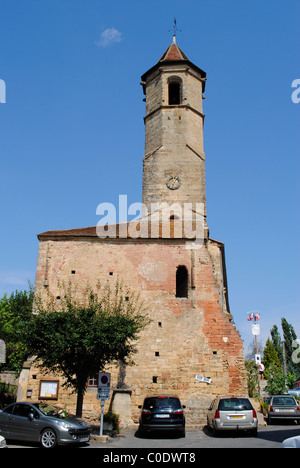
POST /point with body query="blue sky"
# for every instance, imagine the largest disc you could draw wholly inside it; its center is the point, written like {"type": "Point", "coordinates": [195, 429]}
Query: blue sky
{"type": "Point", "coordinates": [72, 131]}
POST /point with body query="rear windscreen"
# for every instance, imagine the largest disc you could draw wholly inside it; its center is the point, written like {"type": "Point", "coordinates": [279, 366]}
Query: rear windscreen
{"type": "Point", "coordinates": [162, 402]}
{"type": "Point", "coordinates": [284, 401]}
{"type": "Point", "coordinates": [235, 404]}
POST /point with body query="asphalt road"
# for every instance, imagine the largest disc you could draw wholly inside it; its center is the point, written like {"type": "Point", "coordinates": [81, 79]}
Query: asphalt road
{"type": "Point", "coordinates": [268, 437]}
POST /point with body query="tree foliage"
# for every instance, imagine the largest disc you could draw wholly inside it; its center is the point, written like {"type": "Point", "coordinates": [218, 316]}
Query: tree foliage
{"type": "Point", "coordinates": [84, 333]}
{"type": "Point", "coordinates": [289, 336]}
{"type": "Point", "coordinates": [276, 340]}
{"type": "Point", "coordinates": [270, 354]}
{"type": "Point", "coordinates": [252, 378]}
{"type": "Point", "coordinates": [15, 311]}
{"type": "Point", "coordinates": [276, 380]}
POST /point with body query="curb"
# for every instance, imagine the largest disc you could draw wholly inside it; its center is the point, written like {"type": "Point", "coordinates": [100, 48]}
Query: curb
{"type": "Point", "coordinates": [99, 438]}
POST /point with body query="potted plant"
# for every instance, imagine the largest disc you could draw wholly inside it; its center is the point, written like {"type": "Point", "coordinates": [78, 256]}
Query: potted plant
{"type": "Point", "coordinates": [111, 422]}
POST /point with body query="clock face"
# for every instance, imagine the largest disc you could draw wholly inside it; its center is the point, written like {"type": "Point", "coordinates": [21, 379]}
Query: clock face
{"type": "Point", "coordinates": [173, 182]}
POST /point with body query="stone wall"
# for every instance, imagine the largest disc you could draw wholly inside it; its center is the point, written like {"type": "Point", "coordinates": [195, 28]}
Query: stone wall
{"type": "Point", "coordinates": [186, 337]}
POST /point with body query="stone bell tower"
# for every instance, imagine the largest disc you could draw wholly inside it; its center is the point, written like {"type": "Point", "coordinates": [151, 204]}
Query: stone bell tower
{"type": "Point", "coordinates": [174, 161]}
{"type": "Point", "coordinates": [191, 346]}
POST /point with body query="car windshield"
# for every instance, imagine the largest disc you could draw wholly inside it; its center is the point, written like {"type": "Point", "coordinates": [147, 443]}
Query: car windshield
{"type": "Point", "coordinates": [162, 402]}
{"type": "Point", "coordinates": [235, 404]}
{"type": "Point", "coordinates": [52, 410]}
{"type": "Point", "coordinates": [284, 401]}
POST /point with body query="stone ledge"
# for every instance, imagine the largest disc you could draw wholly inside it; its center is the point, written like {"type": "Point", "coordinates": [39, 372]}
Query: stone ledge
{"type": "Point", "coordinates": [98, 438]}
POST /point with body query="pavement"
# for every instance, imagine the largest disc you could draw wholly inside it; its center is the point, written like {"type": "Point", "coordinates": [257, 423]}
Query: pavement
{"type": "Point", "coordinates": [107, 437]}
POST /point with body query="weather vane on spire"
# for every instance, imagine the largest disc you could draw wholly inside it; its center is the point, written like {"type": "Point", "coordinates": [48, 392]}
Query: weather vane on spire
{"type": "Point", "coordinates": [175, 30]}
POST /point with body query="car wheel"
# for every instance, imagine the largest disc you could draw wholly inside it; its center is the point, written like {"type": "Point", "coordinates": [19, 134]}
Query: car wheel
{"type": "Point", "coordinates": [48, 438]}
{"type": "Point", "coordinates": [269, 420]}
{"type": "Point", "coordinates": [141, 432]}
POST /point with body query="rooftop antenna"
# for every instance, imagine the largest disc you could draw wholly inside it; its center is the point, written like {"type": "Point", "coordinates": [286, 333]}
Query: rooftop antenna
{"type": "Point", "coordinates": [175, 30]}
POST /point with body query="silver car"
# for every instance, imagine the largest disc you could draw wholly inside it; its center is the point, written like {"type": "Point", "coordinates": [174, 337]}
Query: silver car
{"type": "Point", "coordinates": [283, 407]}
{"type": "Point", "coordinates": [2, 442]}
{"type": "Point", "coordinates": [294, 392]}
{"type": "Point", "coordinates": [232, 413]}
{"type": "Point", "coordinates": [42, 422]}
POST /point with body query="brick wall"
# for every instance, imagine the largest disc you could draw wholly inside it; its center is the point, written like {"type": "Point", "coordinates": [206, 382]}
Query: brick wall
{"type": "Point", "coordinates": [187, 336]}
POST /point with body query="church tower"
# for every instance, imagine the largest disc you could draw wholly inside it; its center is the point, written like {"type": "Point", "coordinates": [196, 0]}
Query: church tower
{"type": "Point", "coordinates": [174, 161]}
{"type": "Point", "coordinates": [191, 346]}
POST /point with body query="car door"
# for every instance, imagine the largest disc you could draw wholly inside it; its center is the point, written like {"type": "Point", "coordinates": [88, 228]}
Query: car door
{"type": "Point", "coordinates": [20, 425]}
{"type": "Point", "coordinates": [4, 421]}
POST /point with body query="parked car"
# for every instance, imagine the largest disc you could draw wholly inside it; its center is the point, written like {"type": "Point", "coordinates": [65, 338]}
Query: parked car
{"type": "Point", "coordinates": [283, 407]}
{"type": "Point", "coordinates": [294, 391]}
{"type": "Point", "coordinates": [232, 413]}
{"type": "Point", "coordinates": [162, 413]}
{"type": "Point", "coordinates": [291, 442]}
{"type": "Point", "coordinates": [2, 442]}
{"type": "Point", "coordinates": [42, 422]}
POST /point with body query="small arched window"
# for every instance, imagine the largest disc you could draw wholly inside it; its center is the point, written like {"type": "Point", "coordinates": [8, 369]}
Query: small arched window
{"type": "Point", "coordinates": [182, 281]}
{"type": "Point", "coordinates": [174, 92]}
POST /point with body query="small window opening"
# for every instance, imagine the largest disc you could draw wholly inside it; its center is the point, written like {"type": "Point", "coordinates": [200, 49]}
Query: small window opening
{"type": "Point", "coordinates": [73, 272]}
{"type": "Point", "coordinates": [154, 379]}
{"type": "Point", "coordinates": [160, 324]}
{"type": "Point", "coordinates": [92, 381]}
{"type": "Point", "coordinates": [174, 93]}
{"type": "Point", "coordinates": [156, 353]}
{"type": "Point", "coordinates": [111, 273]}
{"type": "Point", "coordinates": [181, 281]}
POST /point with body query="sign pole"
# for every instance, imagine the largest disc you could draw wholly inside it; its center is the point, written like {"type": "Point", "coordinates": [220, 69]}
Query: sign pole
{"type": "Point", "coordinates": [103, 394]}
{"type": "Point", "coordinates": [101, 417]}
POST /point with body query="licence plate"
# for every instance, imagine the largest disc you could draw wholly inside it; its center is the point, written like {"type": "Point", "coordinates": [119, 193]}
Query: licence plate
{"type": "Point", "coordinates": [285, 410]}
{"type": "Point", "coordinates": [84, 439]}
{"type": "Point", "coordinates": [236, 416]}
{"type": "Point", "coordinates": [162, 416]}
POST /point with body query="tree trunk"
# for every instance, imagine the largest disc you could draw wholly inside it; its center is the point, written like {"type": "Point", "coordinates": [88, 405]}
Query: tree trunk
{"type": "Point", "coordinates": [79, 404]}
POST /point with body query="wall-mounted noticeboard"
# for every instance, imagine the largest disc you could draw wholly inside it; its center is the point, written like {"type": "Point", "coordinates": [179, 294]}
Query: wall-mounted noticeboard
{"type": "Point", "coordinates": [48, 389]}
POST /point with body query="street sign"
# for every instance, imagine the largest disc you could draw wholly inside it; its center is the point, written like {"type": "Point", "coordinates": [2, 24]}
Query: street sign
{"type": "Point", "coordinates": [255, 329]}
{"type": "Point", "coordinates": [102, 396]}
{"type": "Point", "coordinates": [257, 359]}
{"type": "Point", "coordinates": [103, 393]}
{"type": "Point", "coordinates": [104, 380]}
{"type": "Point", "coordinates": [203, 379]}
{"type": "Point", "coordinates": [103, 386]}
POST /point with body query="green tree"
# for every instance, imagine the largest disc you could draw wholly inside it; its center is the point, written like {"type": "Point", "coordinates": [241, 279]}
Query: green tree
{"type": "Point", "coordinates": [270, 354]}
{"type": "Point", "coordinates": [276, 380]}
{"type": "Point", "coordinates": [276, 339]}
{"type": "Point", "coordinates": [79, 338]}
{"type": "Point", "coordinates": [252, 376]}
{"type": "Point", "coordinates": [15, 310]}
{"type": "Point", "coordinates": [289, 336]}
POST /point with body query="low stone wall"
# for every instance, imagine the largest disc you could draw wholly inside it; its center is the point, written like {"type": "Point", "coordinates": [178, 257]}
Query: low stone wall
{"type": "Point", "coordinates": [8, 377]}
